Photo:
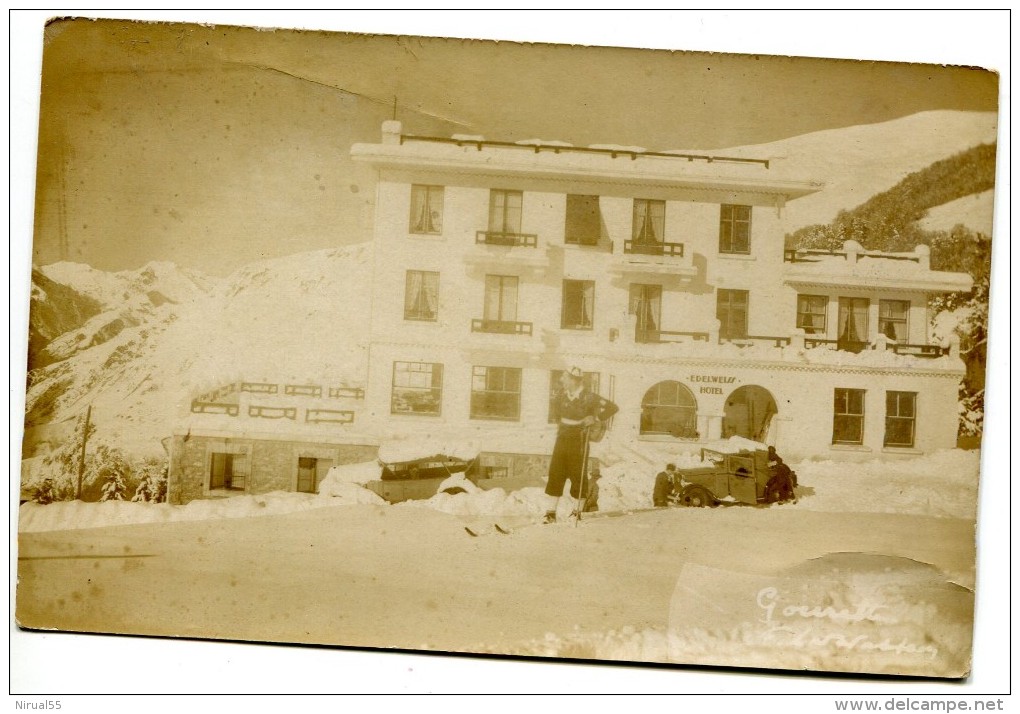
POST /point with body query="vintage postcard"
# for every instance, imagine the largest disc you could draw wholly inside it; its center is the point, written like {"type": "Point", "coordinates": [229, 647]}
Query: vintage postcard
{"type": "Point", "coordinates": [400, 342]}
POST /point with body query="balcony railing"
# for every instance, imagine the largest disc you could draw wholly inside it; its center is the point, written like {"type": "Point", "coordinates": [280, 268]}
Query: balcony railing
{"type": "Point", "coordinates": [748, 340]}
{"type": "Point", "coordinates": [202, 407]}
{"type": "Point", "coordinates": [302, 390]}
{"type": "Point", "coordinates": [346, 393]}
{"type": "Point", "coordinates": [329, 416]}
{"type": "Point", "coordinates": [808, 255]}
{"type": "Point", "coordinates": [633, 247]}
{"type": "Point", "coordinates": [926, 351]}
{"type": "Point", "coordinates": [660, 336]}
{"type": "Point", "coordinates": [501, 327]}
{"type": "Point", "coordinates": [524, 240]}
{"type": "Point", "coordinates": [259, 387]}
{"type": "Point", "coordinates": [272, 412]}
{"type": "Point", "coordinates": [930, 351]}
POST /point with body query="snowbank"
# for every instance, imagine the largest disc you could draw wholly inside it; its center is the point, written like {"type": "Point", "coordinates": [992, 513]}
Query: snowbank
{"type": "Point", "coordinates": [943, 485]}
{"type": "Point", "coordinates": [419, 447]}
{"type": "Point", "coordinates": [494, 502]}
{"type": "Point", "coordinates": [70, 515]}
{"type": "Point", "coordinates": [347, 474]}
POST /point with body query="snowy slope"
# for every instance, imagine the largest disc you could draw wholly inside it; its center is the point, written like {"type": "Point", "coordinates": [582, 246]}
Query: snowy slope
{"type": "Point", "coordinates": [95, 305]}
{"type": "Point", "coordinates": [857, 162]}
{"type": "Point", "coordinates": [974, 212]}
{"type": "Point", "coordinates": [173, 283]}
{"type": "Point", "coordinates": [298, 318]}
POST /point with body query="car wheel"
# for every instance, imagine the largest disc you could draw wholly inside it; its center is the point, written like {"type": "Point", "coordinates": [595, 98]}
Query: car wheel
{"type": "Point", "coordinates": [697, 497]}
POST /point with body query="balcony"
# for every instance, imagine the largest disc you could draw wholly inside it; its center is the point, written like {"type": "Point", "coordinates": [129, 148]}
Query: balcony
{"type": "Point", "coordinates": [855, 267]}
{"type": "Point", "coordinates": [925, 351]}
{"type": "Point", "coordinates": [511, 240]}
{"type": "Point", "coordinates": [642, 257]}
{"type": "Point", "coordinates": [501, 327]}
{"type": "Point", "coordinates": [750, 340]}
{"type": "Point", "coordinates": [632, 247]}
{"type": "Point", "coordinates": [494, 249]}
{"type": "Point", "coordinates": [660, 336]}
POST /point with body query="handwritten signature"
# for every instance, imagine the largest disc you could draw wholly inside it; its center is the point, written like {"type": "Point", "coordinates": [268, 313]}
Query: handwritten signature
{"type": "Point", "coordinates": [801, 627]}
{"type": "Point", "coordinates": [768, 600]}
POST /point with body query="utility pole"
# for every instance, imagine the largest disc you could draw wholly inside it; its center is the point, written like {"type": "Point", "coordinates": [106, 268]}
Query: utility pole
{"type": "Point", "coordinates": [81, 457]}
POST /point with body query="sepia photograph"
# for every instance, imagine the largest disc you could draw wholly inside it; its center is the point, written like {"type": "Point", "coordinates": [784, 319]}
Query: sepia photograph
{"type": "Point", "coordinates": [496, 356]}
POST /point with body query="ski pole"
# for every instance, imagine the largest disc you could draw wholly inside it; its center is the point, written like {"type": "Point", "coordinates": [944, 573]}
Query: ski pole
{"type": "Point", "coordinates": [584, 475]}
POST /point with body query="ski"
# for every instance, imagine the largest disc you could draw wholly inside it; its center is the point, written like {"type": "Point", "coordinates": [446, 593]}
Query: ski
{"type": "Point", "coordinates": [496, 529]}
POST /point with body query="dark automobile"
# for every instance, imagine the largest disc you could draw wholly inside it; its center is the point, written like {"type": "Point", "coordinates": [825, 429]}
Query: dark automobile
{"type": "Point", "coordinates": [744, 476]}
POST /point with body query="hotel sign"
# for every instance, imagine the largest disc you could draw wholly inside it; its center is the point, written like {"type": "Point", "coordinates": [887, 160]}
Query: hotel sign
{"type": "Point", "coordinates": [706, 380]}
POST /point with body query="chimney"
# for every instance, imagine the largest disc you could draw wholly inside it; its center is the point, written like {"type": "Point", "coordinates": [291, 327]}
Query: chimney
{"type": "Point", "coordinates": [391, 132]}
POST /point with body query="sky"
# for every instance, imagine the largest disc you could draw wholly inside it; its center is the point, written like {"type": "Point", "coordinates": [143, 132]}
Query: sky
{"type": "Point", "coordinates": [213, 146]}
{"type": "Point", "coordinates": [196, 666]}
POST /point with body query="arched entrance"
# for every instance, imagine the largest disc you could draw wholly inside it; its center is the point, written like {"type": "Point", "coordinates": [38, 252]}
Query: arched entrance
{"type": "Point", "coordinates": [669, 408]}
{"type": "Point", "coordinates": [749, 413]}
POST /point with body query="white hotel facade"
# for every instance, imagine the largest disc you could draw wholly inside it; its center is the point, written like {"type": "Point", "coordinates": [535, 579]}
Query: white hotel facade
{"type": "Point", "coordinates": [665, 277]}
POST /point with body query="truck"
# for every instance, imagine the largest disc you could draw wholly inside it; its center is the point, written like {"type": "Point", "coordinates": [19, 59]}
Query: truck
{"type": "Point", "coordinates": [744, 476]}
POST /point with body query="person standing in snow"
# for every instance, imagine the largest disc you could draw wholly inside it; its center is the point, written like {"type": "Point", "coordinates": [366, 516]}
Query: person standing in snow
{"type": "Point", "coordinates": [577, 411]}
{"type": "Point", "coordinates": [665, 486]}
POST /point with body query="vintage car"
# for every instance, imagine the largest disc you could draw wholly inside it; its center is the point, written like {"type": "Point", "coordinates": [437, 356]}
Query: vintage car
{"type": "Point", "coordinates": [420, 478]}
{"type": "Point", "coordinates": [740, 477]}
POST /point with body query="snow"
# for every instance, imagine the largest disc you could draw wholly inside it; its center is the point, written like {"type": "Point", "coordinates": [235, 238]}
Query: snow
{"type": "Point", "coordinates": [417, 447]}
{"type": "Point", "coordinates": [974, 211]}
{"type": "Point", "coordinates": [250, 326]}
{"type": "Point", "coordinates": [341, 476]}
{"type": "Point", "coordinates": [72, 515]}
{"type": "Point", "coordinates": [112, 289]}
{"type": "Point", "coordinates": [619, 147]}
{"type": "Point", "coordinates": [544, 142]}
{"type": "Point", "coordinates": [857, 162]}
{"type": "Point", "coordinates": [942, 485]}
{"type": "Point", "coordinates": [457, 483]}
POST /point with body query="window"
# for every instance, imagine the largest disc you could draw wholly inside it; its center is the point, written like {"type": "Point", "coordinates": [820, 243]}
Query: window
{"type": "Point", "coordinates": [734, 229]}
{"type": "Point", "coordinates": [853, 324]}
{"type": "Point", "coordinates": [495, 466]}
{"type": "Point", "coordinates": [591, 383]}
{"type": "Point", "coordinates": [496, 393]}
{"type": "Point", "coordinates": [578, 305]}
{"type": "Point", "coordinates": [584, 220]}
{"type": "Point", "coordinates": [669, 408]}
{"type": "Point", "coordinates": [421, 296]}
{"type": "Point", "coordinates": [900, 414]}
{"type": "Point", "coordinates": [505, 212]}
{"type": "Point", "coordinates": [892, 319]}
{"type": "Point", "coordinates": [227, 471]}
{"type": "Point", "coordinates": [500, 298]}
{"type": "Point", "coordinates": [646, 303]}
{"type": "Point", "coordinates": [426, 210]}
{"type": "Point", "coordinates": [848, 417]}
{"type": "Point", "coordinates": [649, 226]}
{"type": "Point", "coordinates": [811, 313]}
{"type": "Point", "coordinates": [417, 388]}
{"type": "Point", "coordinates": [731, 311]}
{"type": "Point", "coordinates": [311, 472]}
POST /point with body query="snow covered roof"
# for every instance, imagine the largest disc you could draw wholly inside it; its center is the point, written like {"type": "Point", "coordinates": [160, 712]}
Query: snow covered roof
{"type": "Point", "coordinates": [874, 271]}
{"type": "Point", "coordinates": [542, 159]}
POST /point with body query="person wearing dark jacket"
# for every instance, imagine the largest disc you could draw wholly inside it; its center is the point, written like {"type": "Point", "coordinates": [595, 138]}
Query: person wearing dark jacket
{"type": "Point", "coordinates": [578, 410]}
{"type": "Point", "coordinates": [665, 483]}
